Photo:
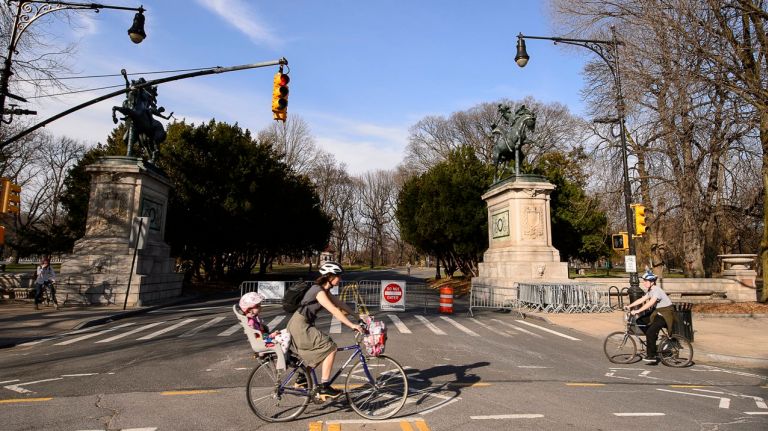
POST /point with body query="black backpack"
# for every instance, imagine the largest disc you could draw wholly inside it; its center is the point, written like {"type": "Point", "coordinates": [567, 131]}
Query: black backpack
{"type": "Point", "coordinates": [294, 295]}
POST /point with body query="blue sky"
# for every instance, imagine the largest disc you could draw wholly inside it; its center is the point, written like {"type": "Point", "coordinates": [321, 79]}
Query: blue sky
{"type": "Point", "coordinates": [362, 72]}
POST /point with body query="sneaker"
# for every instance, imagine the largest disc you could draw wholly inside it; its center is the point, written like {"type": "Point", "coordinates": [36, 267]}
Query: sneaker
{"type": "Point", "coordinates": [325, 391]}
{"type": "Point", "coordinates": [651, 360]}
{"type": "Point", "coordinates": [37, 307]}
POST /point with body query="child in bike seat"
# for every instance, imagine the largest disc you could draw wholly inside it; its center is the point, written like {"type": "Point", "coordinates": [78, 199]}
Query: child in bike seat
{"type": "Point", "coordinates": [250, 304]}
{"type": "Point", "coordinates": [663, 314]}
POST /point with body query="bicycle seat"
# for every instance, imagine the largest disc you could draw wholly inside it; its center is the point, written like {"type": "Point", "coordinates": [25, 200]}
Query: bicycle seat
{"type": "Point", "coordinates": [257, 344]}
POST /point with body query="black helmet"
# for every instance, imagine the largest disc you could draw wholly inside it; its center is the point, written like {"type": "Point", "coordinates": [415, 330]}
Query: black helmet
{"type": "Point", "coordinates": [331, 268]}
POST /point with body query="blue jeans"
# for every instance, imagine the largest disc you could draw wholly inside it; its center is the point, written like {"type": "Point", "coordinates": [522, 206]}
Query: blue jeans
{"type": "Point", "coordinates": [39, 292]}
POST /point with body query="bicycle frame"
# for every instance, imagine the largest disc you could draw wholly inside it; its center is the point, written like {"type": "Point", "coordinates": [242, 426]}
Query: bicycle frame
{"type": "Point", "coordinates": [358, 353]}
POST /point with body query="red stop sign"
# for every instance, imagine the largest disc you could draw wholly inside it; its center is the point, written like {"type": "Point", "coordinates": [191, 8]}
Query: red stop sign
{"type": "Point", "coordinates": [393, 293]}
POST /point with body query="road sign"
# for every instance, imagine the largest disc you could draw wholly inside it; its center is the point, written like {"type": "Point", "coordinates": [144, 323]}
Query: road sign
{"type": "Point", "coordinates": [392, 295]}
{"type": "Point", "coordinates": [630, 263]}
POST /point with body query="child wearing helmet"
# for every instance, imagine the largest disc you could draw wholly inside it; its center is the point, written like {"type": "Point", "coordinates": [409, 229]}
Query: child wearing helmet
{"type": "Point", "coordinates": [250, 303]}
{"type": "Point", "coordinates": [312, 345]}
{"type": "Point", "coordinates": [662, 315]}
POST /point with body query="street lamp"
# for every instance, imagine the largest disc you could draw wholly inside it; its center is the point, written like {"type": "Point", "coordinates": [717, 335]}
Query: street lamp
{"type": "Point", "coordinates": [30, 10]}
{"type": "Point", "coordinates": [598, 46]}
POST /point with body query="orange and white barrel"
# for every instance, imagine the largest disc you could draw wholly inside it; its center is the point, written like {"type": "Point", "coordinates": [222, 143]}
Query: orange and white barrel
{"type": "Point", "coordinates": [446, 300]}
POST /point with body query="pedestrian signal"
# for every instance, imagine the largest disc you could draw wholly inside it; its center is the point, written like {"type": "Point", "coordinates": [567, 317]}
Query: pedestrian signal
{"type": "Point", "coordinates": [280, 96]}
{"type": "Point", "coordinates": [620, 241]}
{"type": "Point", "coordinates": [10, 200]}
{"type": "Point", "coordinates": [640, 226]}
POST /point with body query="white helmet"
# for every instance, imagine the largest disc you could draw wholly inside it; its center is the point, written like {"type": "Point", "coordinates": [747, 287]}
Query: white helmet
{"type": "Point", "coordinates": [331, 268]}
{"type": "Point", "coordinates": [250, 300]}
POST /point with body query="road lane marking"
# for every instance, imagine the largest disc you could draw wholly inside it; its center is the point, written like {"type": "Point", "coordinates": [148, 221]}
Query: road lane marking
{"type": "Point", "coordinates": [334, 427]}
{"type": "Point", "coordinates": [756, 413]}
{"type": "Point", "coordinates": [488, 327]}
{"type": "Point", "coordinates": [18, 387]}
{"type": "Point", "coordinates": [724, 402]}
{"type": "Point", "coordinates": [316, 426]}
{"type": "Point", "coordinates": [638, 414]}
{"type": "Point", "coordinates": [125, 334]}
{"type": "Point", "coordinates": [469, 385]}
{"type": "Point", "coordinates": [79, 375]}
{"type": "Point", "coordinates": [399, 324]}
{"type": "Point", "coordinates": [514, 416]}
{"type": "Point", "coordinates": [272, 325]}
{"type": "Point", "coordinates": [231, 330]}
{"type": "Point", "coordinates": [585, 384]}
{"type": "Point", "coordinates": [31, 400]}
{"type": "Point", "coordinates": [9, 381]}
{"type": "Point", "coordinates": [517, 328]}
{"type": "Point", "coordinates": [168, 329]}
{"type": "Point", "coordinates": [689, 386]}
{"type": "Point", "coordinates": [421, 425]}
{"type": "Point", "coordinates": [190, 392]}
{"type": "Point", "coordinates": [559, 334]}
{"type": "Point", "coordinates": [758, 400]}
{"type": "Point", "coordinates": [207, 324]}
{"type": "Point", "coordinates": [459, 326]}
{"type": "Point", "coordinates": [91, 335]}
{"type": "Point", "coordinates": [430, 325]}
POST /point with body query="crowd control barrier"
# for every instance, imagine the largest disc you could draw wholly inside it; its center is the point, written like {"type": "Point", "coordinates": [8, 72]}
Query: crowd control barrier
{"type": "Point", "coordinates": [498, 298]}
{"type": "Point", "coordinates": [543, 297]}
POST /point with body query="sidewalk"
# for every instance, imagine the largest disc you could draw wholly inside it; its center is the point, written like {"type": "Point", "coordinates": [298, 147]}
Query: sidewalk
{"type": "Point", "coordinates": [718, 338]}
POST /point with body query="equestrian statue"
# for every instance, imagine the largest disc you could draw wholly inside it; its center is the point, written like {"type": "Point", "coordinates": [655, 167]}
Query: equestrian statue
{"type": "Point", "coordinates": [139, 109]}
{"type": "Point", "coordinates": [510, 137]}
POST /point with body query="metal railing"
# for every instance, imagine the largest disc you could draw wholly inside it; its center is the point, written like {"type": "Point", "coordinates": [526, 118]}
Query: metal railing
{"type": "Point", "coordinates": [564, 297]}
{"type": "Point", "coordinates": [500, 298]}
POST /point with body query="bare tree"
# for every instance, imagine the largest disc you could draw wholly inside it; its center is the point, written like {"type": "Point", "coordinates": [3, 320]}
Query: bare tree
{"type": "Point", "coordinates": [377, 203]}
{"type": "Point", "coordinates": [294, 140]}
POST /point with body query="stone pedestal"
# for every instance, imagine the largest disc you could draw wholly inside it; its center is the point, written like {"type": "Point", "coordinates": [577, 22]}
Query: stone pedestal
{"type": "Point", "coordinates": [738, 267]}
{"type": "Point", "coordinates": [98, 271]}
{"type": "Point", "coordinates": [520, 235]}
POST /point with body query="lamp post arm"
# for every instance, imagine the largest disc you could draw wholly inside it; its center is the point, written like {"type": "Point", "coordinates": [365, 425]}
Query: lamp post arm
{"type": "Point", "coordinates": [215, 70]}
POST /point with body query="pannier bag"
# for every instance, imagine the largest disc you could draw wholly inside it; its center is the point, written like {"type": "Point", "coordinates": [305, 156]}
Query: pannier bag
{"type": "Point", "coordinates": [376, 339]}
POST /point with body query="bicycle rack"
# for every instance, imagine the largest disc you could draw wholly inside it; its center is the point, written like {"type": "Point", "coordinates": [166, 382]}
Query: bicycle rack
{"type": "Point", "coordinates": [618, 297]}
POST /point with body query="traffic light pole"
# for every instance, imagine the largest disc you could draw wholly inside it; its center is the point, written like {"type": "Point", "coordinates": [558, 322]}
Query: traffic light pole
{"type": "Point", "coordinates": [212, 71]}
{"type": "Point", "coordinates": [597, 47]}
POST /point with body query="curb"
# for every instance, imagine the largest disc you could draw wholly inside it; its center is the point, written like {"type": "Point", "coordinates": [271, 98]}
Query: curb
{"type": "Point", "coordinates": [732, 315]}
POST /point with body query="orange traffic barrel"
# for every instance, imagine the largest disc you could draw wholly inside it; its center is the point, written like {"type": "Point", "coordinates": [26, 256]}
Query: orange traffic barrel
{"type": "Point", "coordinates": [446, 300]}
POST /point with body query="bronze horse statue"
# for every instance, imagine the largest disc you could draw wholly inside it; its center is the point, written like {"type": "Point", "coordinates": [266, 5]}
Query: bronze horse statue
{"type": "Point", "coordinates": [508, 141]}
{"type": "Point", "coordinates": [139, 109]}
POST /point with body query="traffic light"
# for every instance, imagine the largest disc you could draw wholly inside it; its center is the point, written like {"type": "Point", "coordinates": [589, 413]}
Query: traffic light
{"type": "Point", "coordinates": [280, 96]}
{"type": "Point", "coordinates": [10, 201]}
{"type": "Point", "coordinates": [620, 241]}
{"type": "Point", "coordinates": [640, 227]}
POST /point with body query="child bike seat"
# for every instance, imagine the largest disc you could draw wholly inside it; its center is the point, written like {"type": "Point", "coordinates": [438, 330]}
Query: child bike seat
{"type": "Point", "coordinates": [257, 344]}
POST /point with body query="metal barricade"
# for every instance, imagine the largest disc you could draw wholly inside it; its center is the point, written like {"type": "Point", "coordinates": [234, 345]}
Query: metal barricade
{"type": "Point", "coordinates": [564, 297]}
{"type": "Point", "coordinates": [500, 298]}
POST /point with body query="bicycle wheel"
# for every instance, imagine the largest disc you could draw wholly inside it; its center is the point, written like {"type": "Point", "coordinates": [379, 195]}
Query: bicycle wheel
{"type": "Point", "coordinates": [676, 351]}
{"type": "Point", "coordinates": [378, 388]}
{"type": "Point", "coordinates": [620, 347]}
{"type": "Point", "coordinates": [275, 396]}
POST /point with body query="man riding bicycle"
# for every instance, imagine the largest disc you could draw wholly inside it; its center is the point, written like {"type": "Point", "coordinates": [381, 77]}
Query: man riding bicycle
{"type": "Point", "coordinates": [663, 314]}
{"type": "Point", "coordinates": [45, 275]}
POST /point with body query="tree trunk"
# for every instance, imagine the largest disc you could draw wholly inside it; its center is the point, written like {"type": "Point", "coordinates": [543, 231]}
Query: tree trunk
{"type": "Point", "coordinates": [764, 241]}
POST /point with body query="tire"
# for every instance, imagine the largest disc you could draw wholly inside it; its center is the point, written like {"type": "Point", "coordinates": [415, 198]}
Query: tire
{"type": "Point", "coordinates": [676, 351]}
{"type": "Point", "coordinates": [382, 396]}
{"type": "Point", "coordinates": [620, 348]}
{"type": "Point", "coordinates": [273, 404]}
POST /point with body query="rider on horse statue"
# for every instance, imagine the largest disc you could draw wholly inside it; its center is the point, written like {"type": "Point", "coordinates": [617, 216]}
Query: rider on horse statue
{"type": "Point", "coordinates": [508, 141]}
{"type": "Point", "coordinates": [139, 109]}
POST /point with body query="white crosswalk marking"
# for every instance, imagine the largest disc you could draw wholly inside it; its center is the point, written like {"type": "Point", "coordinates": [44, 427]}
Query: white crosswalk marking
{"type": "Point", "coordinates": [231, 330]}
{"type": "Point", "coordinates": [494, 330]}
{"type": "Point", "coordinates": [205, 325]}
{"type": "Point", "coordinates": [91, 335]}
{"type": "Point", "coordinates": [168, 329]}
{"type": "Point", "coordinates": [517, 328]}
{"type": "Point", "coordinates": [549, 330]}
{"type": "Point", "coordinates": [399, 324]}
{"type": "Point", "coordinates": [429, 325]}
{"type": "Point", "coordinates": [459, 326]}
{"type": "Point", "coordinates": [335, 326]}
{"type": "Point", "coordinates": [274, 322]}
{"type": "Point", "coordinates": [131, 332]}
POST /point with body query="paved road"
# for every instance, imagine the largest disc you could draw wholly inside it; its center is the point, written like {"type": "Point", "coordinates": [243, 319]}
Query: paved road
{"type": "Point", "coordinates": [184, 368]}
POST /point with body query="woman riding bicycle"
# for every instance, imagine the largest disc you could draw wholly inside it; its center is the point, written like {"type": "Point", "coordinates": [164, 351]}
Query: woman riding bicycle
{"type": "Point", "coordinates": [662, 315]}
{"type": "Point", "coordinates": [45, 275]}
{"type": "Point", "coordinates": [312, 345]}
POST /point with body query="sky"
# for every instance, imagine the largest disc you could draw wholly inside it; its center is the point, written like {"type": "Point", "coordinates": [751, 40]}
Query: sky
{"type": "Point", "coordinates": [362, 72]}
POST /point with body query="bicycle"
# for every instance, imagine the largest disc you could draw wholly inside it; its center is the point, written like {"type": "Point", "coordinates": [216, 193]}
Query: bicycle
{"type": "Point", "coordinates": [376, 387]}
{"type": "Point", "coordinates": [620, 347]}
{"type": "Point", "coordinates": [48, 295]}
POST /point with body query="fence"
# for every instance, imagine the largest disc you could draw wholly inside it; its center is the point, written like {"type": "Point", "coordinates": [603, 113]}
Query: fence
{"type": "Point", "coordinates": [544, 297]}
{"type": "Point", "coordinates": [365, 293]}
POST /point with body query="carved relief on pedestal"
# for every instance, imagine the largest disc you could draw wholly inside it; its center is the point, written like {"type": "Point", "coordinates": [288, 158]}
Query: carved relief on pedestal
{"type": "Point", "coordinates": [533, 222]}
{"type": "Point", "coordinates": [109, 213]}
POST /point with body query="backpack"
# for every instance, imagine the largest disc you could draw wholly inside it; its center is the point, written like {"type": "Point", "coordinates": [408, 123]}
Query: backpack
{"type": "Point", "coordinates": [294, 295]}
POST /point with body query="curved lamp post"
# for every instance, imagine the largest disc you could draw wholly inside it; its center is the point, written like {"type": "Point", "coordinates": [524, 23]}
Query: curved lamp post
{"type": "Point", "coordinates": [598, 47]}
{"type": "Point", "coordinates": [30, 10]}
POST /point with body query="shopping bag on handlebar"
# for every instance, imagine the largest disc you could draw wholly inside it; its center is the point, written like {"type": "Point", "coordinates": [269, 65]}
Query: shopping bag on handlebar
{"type": "Point", "coordinates": [376, 339]}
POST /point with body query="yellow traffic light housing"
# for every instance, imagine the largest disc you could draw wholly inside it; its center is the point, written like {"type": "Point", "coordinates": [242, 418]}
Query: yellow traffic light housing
{"type": "Point", "coordinates": [639, 211]}
{"type": "Point", "coordinates": [620, 241]}
{"type": "Point", "coordinates": [280, 96]}
{"type": "Point", "coordinates": [10, 201]}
